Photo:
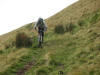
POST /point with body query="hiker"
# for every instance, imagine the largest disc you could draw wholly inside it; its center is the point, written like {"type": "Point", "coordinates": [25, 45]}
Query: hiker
{"type": "Point", "coordinates": [42, 27]}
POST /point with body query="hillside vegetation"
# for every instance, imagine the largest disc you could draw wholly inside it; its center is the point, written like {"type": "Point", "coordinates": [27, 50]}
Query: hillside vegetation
{"type": "Point", "coordinates": [71, 46]}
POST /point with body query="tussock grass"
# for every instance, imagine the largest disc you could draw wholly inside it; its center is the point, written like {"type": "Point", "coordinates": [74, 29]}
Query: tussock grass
{"type": "Point", "coordinates": [75, 53]}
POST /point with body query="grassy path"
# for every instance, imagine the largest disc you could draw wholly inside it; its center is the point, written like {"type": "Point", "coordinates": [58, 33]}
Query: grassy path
{"type": "Point", "coordinates": [47, 58]}
{"type": "Point", "coordinates": [31, 64]}
{"type": "Point", "coordinates": [27, 67]}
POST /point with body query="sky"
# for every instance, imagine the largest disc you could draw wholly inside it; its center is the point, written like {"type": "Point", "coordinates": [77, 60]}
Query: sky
{"type": "Point", "coordinates": [16, 13]}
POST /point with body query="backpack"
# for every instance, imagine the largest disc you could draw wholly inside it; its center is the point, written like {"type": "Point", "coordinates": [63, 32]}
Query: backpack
{"type": "Point", "coordinates": [40, 23]}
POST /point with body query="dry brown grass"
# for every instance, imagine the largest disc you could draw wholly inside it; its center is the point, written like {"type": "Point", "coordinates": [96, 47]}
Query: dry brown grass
{"type": "Point", "coordinates": [72, 13]}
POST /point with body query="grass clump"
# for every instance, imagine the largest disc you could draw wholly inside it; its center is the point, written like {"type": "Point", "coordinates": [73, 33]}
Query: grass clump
{"type": "Point", "coordinates": [1, 51]}
{"type": "Point", "coordinates": [22, 40]}
{"type": "Point", "coordinates": [83, 23]}
{"type": "Point", "coordinates": [95, 17]}
{"type": "Point", "coordinates": [70, 27]}
{"type": "Point", "coordinates": [59, 29]}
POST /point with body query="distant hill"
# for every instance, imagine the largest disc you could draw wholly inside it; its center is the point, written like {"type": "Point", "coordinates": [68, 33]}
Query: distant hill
{"type": "Point", "coordinates": [72, 44]}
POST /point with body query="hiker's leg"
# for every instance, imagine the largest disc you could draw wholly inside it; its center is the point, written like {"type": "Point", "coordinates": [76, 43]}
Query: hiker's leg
{"type": "Point", "coordinates": [42, 37]}
{"type": "Point", "coordinates": [39, 39]}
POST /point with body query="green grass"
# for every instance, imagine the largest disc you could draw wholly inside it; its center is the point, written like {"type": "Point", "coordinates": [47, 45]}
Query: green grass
{"type": "Point", "coordinates": [33, 54]}
{"type": "Point", "coordinates": [75, 52]}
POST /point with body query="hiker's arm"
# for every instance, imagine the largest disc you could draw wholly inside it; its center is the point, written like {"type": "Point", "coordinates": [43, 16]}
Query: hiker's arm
{"type": "Point", "coordinates": [35, 26]}
{"type": "Point", "coordinates": [45, 26]}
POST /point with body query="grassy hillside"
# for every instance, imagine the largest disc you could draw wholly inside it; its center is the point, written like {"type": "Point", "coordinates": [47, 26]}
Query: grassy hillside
{"type": "Point", "coordinates": [72, 44]}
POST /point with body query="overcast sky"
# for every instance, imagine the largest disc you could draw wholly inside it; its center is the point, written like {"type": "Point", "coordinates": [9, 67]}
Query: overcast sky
{"type": "Point", "coordinates": [16, 13]}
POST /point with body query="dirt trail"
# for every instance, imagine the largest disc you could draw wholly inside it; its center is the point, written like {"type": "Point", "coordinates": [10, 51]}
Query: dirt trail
{"type": "Point", "coordinates": [28, 66]}
{"type": "Point", "coordinates": [46, 57]}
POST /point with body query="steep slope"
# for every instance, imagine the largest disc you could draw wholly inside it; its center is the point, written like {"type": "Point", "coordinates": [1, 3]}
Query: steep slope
{"type": "Point", "coordinates": [74, 12]}
{"type": "Point", "coordinates": [76, 51]}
